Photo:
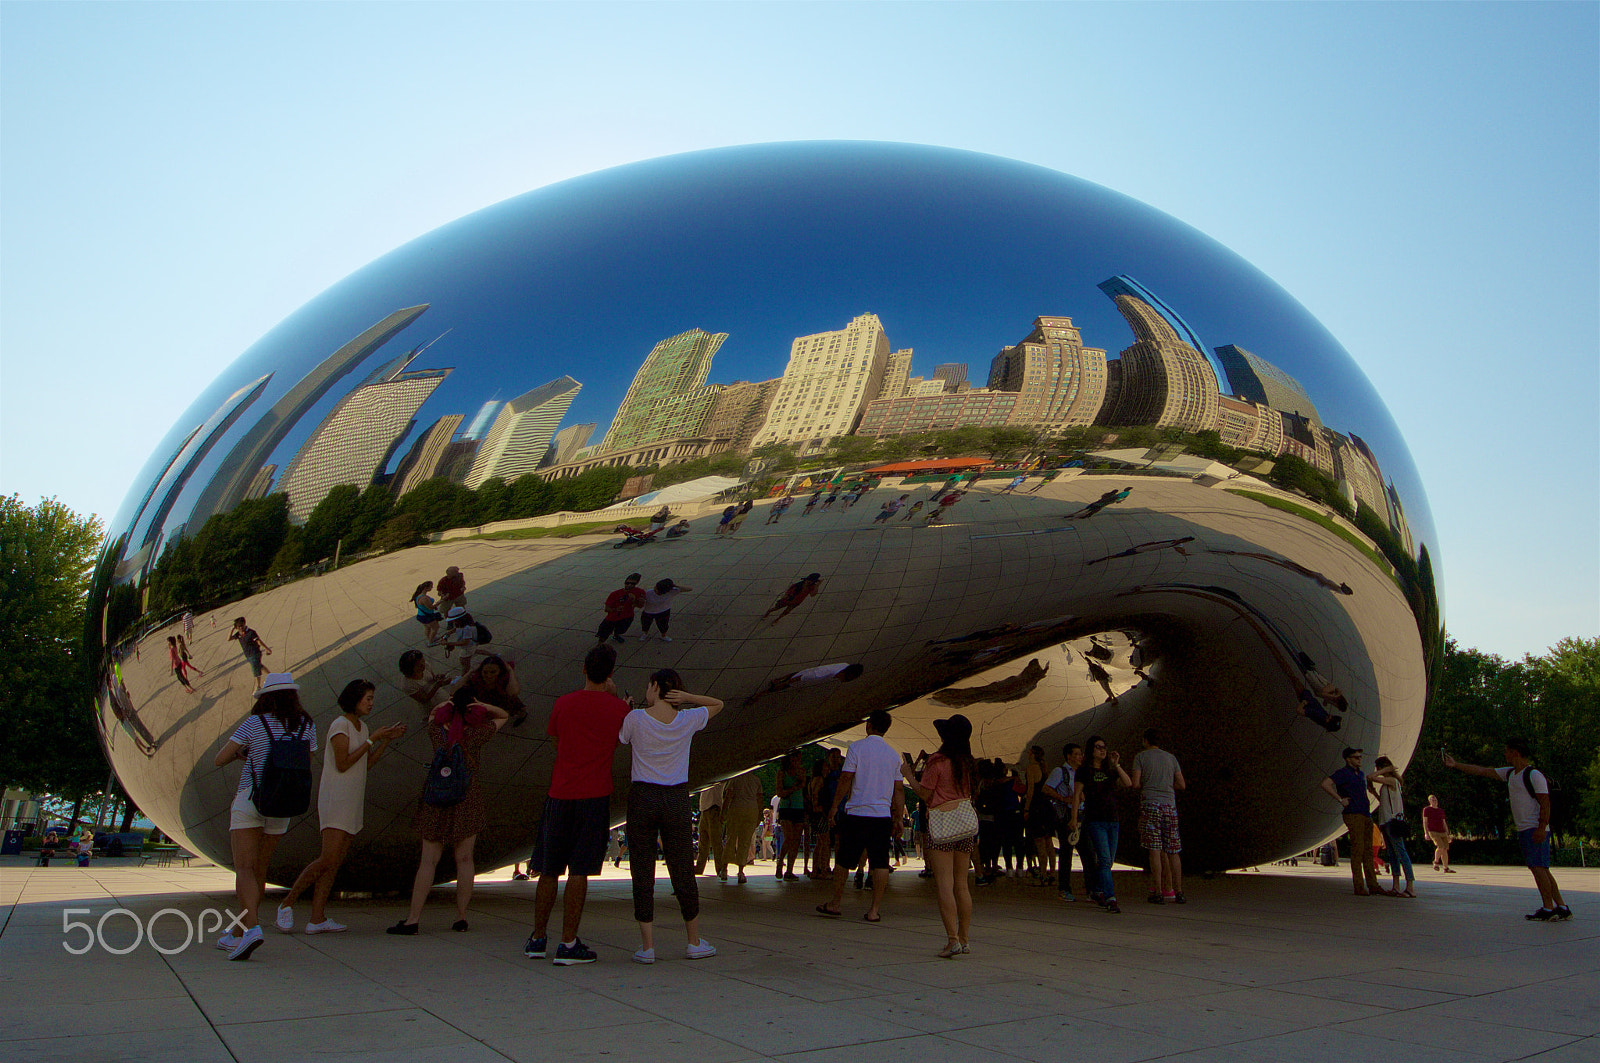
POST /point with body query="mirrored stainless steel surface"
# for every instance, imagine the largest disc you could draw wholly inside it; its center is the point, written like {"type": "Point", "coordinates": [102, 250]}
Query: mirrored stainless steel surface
{"type": "Point", "coordinates": [1233, 547]}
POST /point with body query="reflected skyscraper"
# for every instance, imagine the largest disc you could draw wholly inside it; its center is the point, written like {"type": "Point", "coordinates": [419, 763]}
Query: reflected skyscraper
{"type": "Point", "coordinates": [1165, 378]}
{"type": "Point", "coordinates": [1061, 382]}
{"type": "Point", "coordinates": [1260, 381]}
{"type": "Point", "coordinates": [740, 411]}
{"type": "Point", "coordinates": [896, 375]}
{"type": "Point", "coordinates": [483, 420]}
{"type": "Point", "coordinates": [428, 455]}
{"type": "Point", "coordinates": [522, 431]}
{"type": "Point", "coordinates": [354, 442]}
{"type": "Point", "coordinates": [238, 470]}
{"type": "Point", "coordinates": [568, 442]}
{"type": "Point", "coordinates": [954, 375]}
{"type": "Point", "coordinates": [830, 378]}
{"type": "Point", "coordinates": [668, 398]}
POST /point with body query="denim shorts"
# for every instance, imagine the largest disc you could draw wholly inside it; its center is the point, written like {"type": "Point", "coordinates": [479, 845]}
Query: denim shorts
{"type": "Point", "coordinates": [1534, 854]}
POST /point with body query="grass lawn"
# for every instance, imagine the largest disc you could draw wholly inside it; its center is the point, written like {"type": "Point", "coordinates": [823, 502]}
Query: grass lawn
{"type": "Point", "coordinates": [1317, 518]}
{"type": "Point", "coordinates": [564, 531]}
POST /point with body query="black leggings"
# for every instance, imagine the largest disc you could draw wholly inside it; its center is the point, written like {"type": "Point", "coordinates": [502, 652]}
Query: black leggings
{"type": "Point", "coordinates": [661, 810]}
{"type": "Point", "coordinates": [659, 619]}
{"type": "Point", "coordinates": [609, 628]}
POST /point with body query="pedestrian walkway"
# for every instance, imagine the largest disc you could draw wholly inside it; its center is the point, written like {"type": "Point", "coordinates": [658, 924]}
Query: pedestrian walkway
{"type": "Point", "coordinates": [1279, 965]}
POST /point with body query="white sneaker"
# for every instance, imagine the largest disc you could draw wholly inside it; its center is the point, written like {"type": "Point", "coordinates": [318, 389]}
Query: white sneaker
{"type": "Point", "coordinates": [285, 920]}
{"type": "Point", "coordinates": [247, 944]}
{"type": "Point", "coordinates": [645, 956]}
{"type": "Point", "coordinates": [666, 638]}
{"type": "Point", "coordinates": [227, 942]}
{"type": "Point", "coordinates": [700, 950]}
{"type": "Point", "coordinates": [327, 926]}
{"type": "Point", "coordinates": [645, 638]}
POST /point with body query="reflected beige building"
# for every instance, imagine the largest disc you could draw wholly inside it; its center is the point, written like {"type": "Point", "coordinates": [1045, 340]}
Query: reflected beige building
{"type": "Point", "coordinates": [1059, 381]}
{"type": "Point", "coordinates": [830, 378]}
{"type": "Point", "coordinates": [355, 440]}
{"type": "Point", "coordinates": [1165, 381]}
{"type": "Point", "coordinates": [739, 412]}
{"type": "Point", "coordinates": [896, 375]}
{"type": "Point", "coordinates": [427, 456]}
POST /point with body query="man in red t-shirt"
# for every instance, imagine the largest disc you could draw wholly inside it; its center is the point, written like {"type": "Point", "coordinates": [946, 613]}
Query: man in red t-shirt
{"type": "Point", "coordinates": [1438, 832]}
{"type": "Point", "coordinates": [577, 812]}
{"type": "Point", "coordinates": [620, 605]}
{"type": "Point", "coordinates": [452, 588]}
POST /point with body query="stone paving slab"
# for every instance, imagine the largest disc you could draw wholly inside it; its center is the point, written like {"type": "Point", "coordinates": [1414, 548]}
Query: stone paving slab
{"type": "Point", "coordinates": [1282, 964]}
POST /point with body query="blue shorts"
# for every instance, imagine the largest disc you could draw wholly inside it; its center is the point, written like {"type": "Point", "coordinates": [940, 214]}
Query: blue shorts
{"type": "Point", "coordinates": [1534, 854]}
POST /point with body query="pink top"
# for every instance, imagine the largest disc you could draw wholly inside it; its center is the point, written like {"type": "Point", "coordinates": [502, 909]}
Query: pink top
{"type": "Point", "coordinates": [939, 778]}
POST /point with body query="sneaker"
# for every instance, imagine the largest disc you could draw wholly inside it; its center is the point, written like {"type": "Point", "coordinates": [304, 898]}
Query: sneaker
{"type": "Point", "coordinates": [722, 878]}
{"type": "Point", "coordinates": [700, 950]}
{"type": "Point", "coordinates": [1543, 915]}
{"type": "Point", "coordinates": [1067, 896]}
{"type": "Point", "coordinates": [285, 919]}
{"type": "Point", "coordinates": [645, 956]}
{"type": "Point", "coordinates": [577, 952]}
{"type": "Point", "coordinates": [327, 926]}
{"type": "Point", "coordinates": [519, 877]}
{"type": "Point", "coordinates": [248, 943]}
{"type": "Point", "coordinates": [1562, 913]}
{"type": "Point", "coordinates": [1111, 906]}
{"type": "Point", "coordinates": [227, 942]}
{"type": "Point", "coordinates": [666, 638]}
{"type": "Point", "coordinates": [1154, 898]}
{"type": "Point", "coordinates": [534, 948]}
{"type": "Point", "coordinates": [618, 639]}
{"type": "Point", "coordinates": [1177, 898]}
{"type": "Point", "coordinates": [645, 637]}
{"type": "Point", "coordinates": [741, 878]}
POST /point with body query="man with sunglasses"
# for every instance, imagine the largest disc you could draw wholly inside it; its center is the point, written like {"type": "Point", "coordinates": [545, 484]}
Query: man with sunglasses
{"type": "Point", "coordinates": [1348, 786]}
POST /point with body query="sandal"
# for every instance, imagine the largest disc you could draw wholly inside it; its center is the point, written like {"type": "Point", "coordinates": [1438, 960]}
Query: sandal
{"type": "Point", "coordinates": [1407, 893]}
{"type": "Point", "coordinates": [823, 909]}
{"type": "Point", "coordinates": [868, 917]}
{"type": "Point", "coordinates": [950, 951]}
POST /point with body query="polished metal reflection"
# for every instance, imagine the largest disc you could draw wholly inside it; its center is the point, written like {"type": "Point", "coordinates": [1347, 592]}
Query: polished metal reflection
{"type": "Point", "coordinates": [718, 302]}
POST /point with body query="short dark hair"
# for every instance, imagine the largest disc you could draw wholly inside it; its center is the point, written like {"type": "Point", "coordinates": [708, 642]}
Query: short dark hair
{"type": "Point", "coordinates": [1519, 745]}
{"type": "Point", "coordinates": [1068, 749]}
{"type": "Point", "coordinates": [878, 721]}
{"type": "Point", "coordinates": [1153, 736]}
{"type": "Point", "coordinates": [238, 621]}
{"type": "Point", "coordinates": [1383, 762]}
{"type": "Point", "coordinates": [408, 661]}
{"type": "Point", "coordinates": [352, 694]}
{"type": "Point", "coordinates": [1350, 751]}
{"type": "Point", "coordinates": [632, 577]}
{"type": "Point", "coordinates": [599, 663]}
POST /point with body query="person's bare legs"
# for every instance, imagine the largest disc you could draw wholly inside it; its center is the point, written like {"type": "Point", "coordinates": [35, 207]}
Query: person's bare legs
{"type": "Point", "coordinates": [572, 900]}
{"type": "Point", "coordinates": [423, 883]}
{"type": "Point", "coordinates": [841, 875]}
{"type": "Point", "coordinates": [1157, 862]}
{"type": "Point", "coordinates": [1549, 892]}
{"type": "Point", "coordinates": [252, 848]}
{"type": "Point", "coordinates": [791, 848]}
{"type": "Point", "coordinates": [880, 882]}
{"type": "Point", "coordinates": [943, 864]}
{"type": "Point", "coordinates": [335, 844]}
{"type": "Point", "coordinates": [1174, 867]}
{"type": "Point", "coordinates": [544, 902]}
{"type": "Point", "coordinates": [963, 892]}
{"type": "Point", "coordinates": [465, 874]}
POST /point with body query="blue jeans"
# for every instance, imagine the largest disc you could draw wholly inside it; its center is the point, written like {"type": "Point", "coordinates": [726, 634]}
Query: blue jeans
{"type": "Point", "coordinates": [1104, 837]}
{"type": "Point", "coordinates": [1399, 855]}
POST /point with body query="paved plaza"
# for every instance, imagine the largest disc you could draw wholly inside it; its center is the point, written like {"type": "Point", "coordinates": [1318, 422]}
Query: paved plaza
{"type": "Point", "coordinates": [1284, 964]}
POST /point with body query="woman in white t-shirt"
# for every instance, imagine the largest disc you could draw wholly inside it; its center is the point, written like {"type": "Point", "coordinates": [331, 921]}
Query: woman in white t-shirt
{"type": "Point", "coordinates": [659, 805]}
{"type": "Point", "coordinates": [251, 835]}
{"type": "Point", "coordinates": [341, 800]}
{"type": "Point", "coordinates": [657, 608]}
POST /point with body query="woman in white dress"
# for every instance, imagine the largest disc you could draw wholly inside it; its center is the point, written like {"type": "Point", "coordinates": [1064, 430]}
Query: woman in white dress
{"type": "Point", "coordinates": [659, 806]}
{"type": "Point", "coordinates": [341, 800]}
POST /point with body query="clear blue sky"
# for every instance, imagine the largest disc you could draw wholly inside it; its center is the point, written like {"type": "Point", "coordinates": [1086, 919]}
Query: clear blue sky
{"type": "Point", "coordinates": [178, 178]}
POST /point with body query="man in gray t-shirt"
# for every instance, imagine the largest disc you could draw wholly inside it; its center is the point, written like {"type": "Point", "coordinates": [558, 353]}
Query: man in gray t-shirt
{"type": "Point", "coordinates": [1158, 779]}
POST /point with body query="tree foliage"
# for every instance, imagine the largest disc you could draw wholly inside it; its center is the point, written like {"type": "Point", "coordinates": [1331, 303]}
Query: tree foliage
{"type": "Point", "coordinates": [47, 555]}
{"type": "Point", "coordinates": [1481, 699]}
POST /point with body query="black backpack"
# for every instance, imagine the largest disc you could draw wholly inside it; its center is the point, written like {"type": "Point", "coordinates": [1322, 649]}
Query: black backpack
{"type": "Point", "coordinates": [449, 778]}
{"type": "Point", "coordinates": [1555, 795]}
{"type": "Point", "coordinates": [283, 788]}
{"type": "Point", "coordinates": [484, 637]}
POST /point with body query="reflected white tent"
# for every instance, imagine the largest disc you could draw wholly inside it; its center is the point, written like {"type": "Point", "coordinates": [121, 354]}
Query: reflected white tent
{"type": "Point", "coordinates": [688, 491]}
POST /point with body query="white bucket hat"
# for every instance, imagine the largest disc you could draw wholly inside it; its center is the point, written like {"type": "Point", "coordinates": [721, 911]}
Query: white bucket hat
{"type": "Point", "coordinates": [276, 681]}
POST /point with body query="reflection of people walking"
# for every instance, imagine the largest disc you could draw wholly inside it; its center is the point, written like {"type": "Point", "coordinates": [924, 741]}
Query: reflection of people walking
{"type": "Point", "coordinates": [1049, 477]}
{"type": "Point", "coordinates": [1145, 548]}
{"type": "Point", "coordinates": [779, 508]}
{"type": "Point", "coordinates": [177, 663]}
{"type": "Point", "coordinates": [428, 614]}
{"type": "Point", "coordinates": [796, 593]}
{"type": "Point", "coordinates": [1100, 503]}
{"type": "Point", "coordinates": [619, 607]}
{"type": "Point", "coordinates": [452, 589]}
{"type": "Point", "coordinates": [251, 646]}
{"type": "Point", "coordinates": [738, 518]}
{"type": "Point", "coordinates": [657, 608]}
{"type": "Point", "coordinates": [890, 508]}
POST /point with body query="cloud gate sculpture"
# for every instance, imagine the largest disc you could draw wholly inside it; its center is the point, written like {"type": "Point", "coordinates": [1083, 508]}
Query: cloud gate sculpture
{"type": "Point", "coordinates": [1222, 535]}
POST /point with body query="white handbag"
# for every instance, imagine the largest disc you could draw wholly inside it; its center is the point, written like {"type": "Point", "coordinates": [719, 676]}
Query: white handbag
{"type": "Point", "coordinates": [954, 824]}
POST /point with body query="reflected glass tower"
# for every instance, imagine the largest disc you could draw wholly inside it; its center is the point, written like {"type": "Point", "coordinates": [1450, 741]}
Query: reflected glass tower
{"type": "Point", "coordinates": [1262, 382]}
{"type": "Point", "coordinates": [1165, 379]}
{"type": "Point", "coordinates": [668, 398]}
{"type": "Point", "coordinates": [522, 431]}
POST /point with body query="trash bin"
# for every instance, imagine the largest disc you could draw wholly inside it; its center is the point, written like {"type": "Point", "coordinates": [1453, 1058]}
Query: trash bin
{"type": "Point", "coordinates": [12, 844]}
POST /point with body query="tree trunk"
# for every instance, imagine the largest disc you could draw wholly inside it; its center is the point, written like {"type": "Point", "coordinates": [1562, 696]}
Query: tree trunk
{"type": "Point", "coordinates": [128, 812]}
{"type": "Point", "coordinates": [77, 806]}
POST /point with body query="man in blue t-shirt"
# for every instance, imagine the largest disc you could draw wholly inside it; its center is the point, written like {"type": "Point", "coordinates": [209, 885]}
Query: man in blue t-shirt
{"type": "Point", "coordinates": [1348, 786]}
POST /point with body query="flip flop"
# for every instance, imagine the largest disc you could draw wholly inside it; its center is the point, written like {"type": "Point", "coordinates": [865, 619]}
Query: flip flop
{"type": "Point", "coordinates": [870, 918]}
{"type": "Point", "coordinates": [823, 909]}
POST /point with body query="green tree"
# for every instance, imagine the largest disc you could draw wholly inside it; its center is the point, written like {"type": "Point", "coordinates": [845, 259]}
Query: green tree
{"type": "Point", "coordinates": [330, 522]}
{"type": "Point", "coordinates": [47, 555]}
{"type": "Point", "coordinates": [377, 502]}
